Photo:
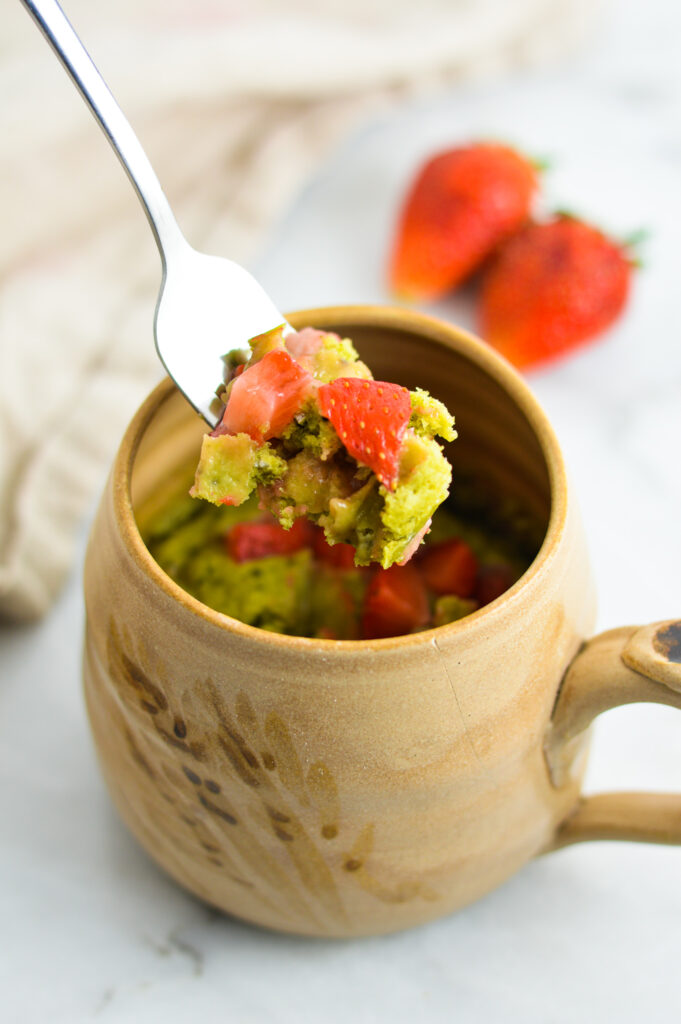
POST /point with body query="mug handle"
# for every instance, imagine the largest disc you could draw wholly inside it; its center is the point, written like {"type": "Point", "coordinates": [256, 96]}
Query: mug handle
{"type": "Point", "coordinates": [621, 666]}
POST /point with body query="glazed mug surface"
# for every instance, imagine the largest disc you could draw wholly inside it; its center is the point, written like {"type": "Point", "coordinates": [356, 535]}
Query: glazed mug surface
{"type": "Point", "coordinates": [341, 788]}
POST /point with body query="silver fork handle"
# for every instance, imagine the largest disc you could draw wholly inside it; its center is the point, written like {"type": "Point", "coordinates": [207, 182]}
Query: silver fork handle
{"type": "Point", "coordinates": [61, 36]}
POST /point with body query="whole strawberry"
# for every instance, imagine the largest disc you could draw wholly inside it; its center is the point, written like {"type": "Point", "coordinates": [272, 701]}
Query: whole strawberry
{"type": "Point", "coordinates": [463, 203]}
{"type": "Point", "coordinates": [552, 287]}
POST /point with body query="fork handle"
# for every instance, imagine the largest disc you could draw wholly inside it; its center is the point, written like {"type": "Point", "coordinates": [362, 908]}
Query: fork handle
{"type": "Point", "coordinates": [61, 36]}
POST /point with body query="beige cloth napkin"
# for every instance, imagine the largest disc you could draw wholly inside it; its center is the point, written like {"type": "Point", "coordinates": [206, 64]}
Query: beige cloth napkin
{"type": "Point", "coordinates": [235, 101]}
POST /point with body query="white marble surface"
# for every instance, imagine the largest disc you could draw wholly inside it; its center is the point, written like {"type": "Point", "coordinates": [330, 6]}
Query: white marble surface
{"type": "Point", "coordinates": [91, 930]}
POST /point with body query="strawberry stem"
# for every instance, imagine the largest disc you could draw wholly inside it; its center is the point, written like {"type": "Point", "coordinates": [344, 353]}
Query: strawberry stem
{"type": "Point", "coordinates": [541, 163]}
{"type": "Point", "coordinates": [632, 244]}
{"type": "Point", "coordinates": [636, 238]}
{"type": "Point", "coordinates": [562, 211]}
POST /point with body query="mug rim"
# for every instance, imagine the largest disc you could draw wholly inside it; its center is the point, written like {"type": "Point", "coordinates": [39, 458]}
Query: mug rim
{"type": "Point", "coordinates": [364, 316]}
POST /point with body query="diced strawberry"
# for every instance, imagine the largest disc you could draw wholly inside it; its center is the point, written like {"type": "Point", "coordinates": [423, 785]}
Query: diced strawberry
{"type": "Point", "coordinates": [370, 417]}
{"type": "Point", "coordinates": [449, 567]}
{"type": "Point", "coordinates": [340, 556]}
{"type": "Point", "coordinates": [493, 580]}
{"type": "Point", "coordinates": [265, 397]}
{"type": "Point", "coordinates": [395, 603]}
{"type": "Point", "coordinates": [305, 343]}
{"type": "Point", "coordinates": [248, 541]}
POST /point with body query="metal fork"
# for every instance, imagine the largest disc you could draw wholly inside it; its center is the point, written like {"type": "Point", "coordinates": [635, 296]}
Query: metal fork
{"type": "Point", "coordinates": [206, 305]}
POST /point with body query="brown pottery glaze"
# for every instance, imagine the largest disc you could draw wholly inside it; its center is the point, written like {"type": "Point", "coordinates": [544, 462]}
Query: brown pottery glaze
{"type": "Point", "coordinates": [341, 788]}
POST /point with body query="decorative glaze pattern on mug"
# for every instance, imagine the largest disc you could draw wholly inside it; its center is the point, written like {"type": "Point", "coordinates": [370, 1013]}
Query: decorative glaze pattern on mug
{"type": "Point", "coordinates": [207, 748]}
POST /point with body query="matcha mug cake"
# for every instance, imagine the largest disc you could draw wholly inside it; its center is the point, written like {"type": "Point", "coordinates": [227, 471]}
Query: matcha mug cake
{"type": "Point", "coordinates": [341, 787]}
{"type": "Point", "coordinates": [316, 508]}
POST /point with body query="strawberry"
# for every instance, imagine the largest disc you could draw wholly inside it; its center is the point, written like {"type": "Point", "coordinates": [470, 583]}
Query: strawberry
{"type": "Point", "coordinates": [463, 203]}
{"type": "Point", "coordinates": [370, 417]}
{"type": "Point", "coordinates": [551, 288]}
{"type": "Point", "coordinates": [340, 556]}
{"type": "Point", "coordinates": [493, 581]}
{"type": "Point", "coordinates": [449, 567]}
{"type": "Point", "coordinates": [395, 603]}
{"type": "Point", "coordinates": [265, 397]}
{"type": "Point", "coordinates": [247, 541]}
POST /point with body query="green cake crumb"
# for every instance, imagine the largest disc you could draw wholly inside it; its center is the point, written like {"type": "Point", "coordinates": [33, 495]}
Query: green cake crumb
{"type": "Point", "coordinates": [429, 416]}
{"type": "Point", "coordinates": [231, 466]}
{"type": "Point", "coordinates": [451, 608]}
{"type": "Point", "coordinates": [272, 593]}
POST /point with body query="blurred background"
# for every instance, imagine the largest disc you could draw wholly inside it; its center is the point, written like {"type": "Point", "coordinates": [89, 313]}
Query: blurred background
{"type": "Point", "coordinates": [285, 135]}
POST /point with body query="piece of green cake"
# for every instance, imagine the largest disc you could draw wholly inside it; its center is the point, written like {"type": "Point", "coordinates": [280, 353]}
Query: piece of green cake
{"type": "Point", "coordinates": [307, 427]}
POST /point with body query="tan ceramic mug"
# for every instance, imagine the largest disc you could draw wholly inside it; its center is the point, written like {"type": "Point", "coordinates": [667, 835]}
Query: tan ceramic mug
{"type": "Point", "coordinates": [341, 788]}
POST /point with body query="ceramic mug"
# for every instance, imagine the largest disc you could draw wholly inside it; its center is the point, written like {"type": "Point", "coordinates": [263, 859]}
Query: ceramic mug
{"type": "Point", "coordinates": [341, 788]}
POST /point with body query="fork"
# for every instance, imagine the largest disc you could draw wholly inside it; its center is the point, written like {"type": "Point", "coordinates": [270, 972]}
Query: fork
{"type": "Point", "coordinates": [206, 305]}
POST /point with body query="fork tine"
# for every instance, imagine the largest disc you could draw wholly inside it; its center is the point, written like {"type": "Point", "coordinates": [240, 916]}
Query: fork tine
{"type": "Point", "coordinates": [207, 307]}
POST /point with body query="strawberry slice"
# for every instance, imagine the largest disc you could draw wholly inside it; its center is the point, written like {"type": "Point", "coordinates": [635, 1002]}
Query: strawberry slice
{"type": "Point", "coordinates": [248, 541]}
{"type": "Point", "coordinates": [370, 417]}
{"type": "Point", "coordinates": [449, 567]}
{"type": "Point", "coordinates": [395, 603]}
{"type": "Point", "coordinates": [265, 397]}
